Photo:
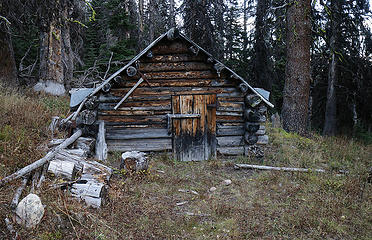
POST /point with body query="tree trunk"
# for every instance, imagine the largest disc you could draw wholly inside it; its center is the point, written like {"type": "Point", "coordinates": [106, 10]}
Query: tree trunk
{"type": "Point", "coordinates": [331, 105]}
{"type": "Point", "coordinates": [67, 53]}
{"type": "Point", "coordinates": [297, 81]}
{"type": "Point", "coordinates": [8, 70]}
{"type": "Point", "coordinates": [262, 67]}
{"type": "Point", "coordinates": [51, 72]}
{"type": "Point", "coordinates": [172, 14]}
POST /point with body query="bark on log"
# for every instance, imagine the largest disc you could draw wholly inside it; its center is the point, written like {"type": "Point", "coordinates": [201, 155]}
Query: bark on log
{"type": "Point", "coordinates": [41, 161]}
{"type": "Point", "coordinates": [285, 169]}
{"type": "Point", "coordinates": [18, 193]}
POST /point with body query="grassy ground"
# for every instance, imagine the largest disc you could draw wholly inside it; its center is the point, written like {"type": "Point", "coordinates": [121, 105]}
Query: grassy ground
{"type": "Point", "coordinates": [257, 205]}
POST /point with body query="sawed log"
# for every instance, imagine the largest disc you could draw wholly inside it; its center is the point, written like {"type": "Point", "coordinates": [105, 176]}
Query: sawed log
{"type": "Point", "coordinates": [42, 161]}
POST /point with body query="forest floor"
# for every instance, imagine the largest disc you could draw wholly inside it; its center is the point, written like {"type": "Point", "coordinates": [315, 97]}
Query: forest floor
{"type": "Point", "coordinates": [256, 205]}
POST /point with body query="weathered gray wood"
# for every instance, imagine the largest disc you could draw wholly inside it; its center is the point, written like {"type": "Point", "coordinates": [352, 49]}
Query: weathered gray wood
{"type": "Point", "coordinates": [243, 87]}
{"type": "Point", "coordinates": [35, 178]}
{"type": "Point", "coordinates": [230, 141]}
{"type": "Point", "coordinates": [134, 161]}
{"type": "Point", "coordinates": [194, 50]}
{"type": "Point", "coordinates": [41, 161]}
{"type": "Point", "coordinates": [18, 193]}
{"type": "Point", "coordinates": [131, 71]}
{"type": "Point", "coordinates": [101, 146]}
{"type": "Point", "coordinates": [143, 145]}
{"type": "Point", "coordinates": [173, 33]}
{"type": "Point", "coordinates": [73, 118]}
{"type": "Point", "coordinates": [87, 117]}
{"type": "Point", "coordinates": [42, 175]}
{"type": "Point", "coordinates": [85, 144]}
{"type": "Point", "coordinates": [219, 113]}
{"type": "Point", "coordinates": [63, 169]}
{"type": "Point", "coordinates": [230, 131]}
{"type": "Point", "coordinates": [67, 155]}
{"type": "Point", "coordinates": [91, 192]}
{"type": "Point", "coordinates": [55, 142]}
{"type": "Point", "coordinates": [96, 171]}
{"type": "Point", "coordinates": [250, 138]}
{"type": "Point", "coordinates": [136, 133]}
{"type": "Point", "coordinates": [231, 151]}
{"type": "Point", "coordinates": [253, 100]}
{"type": "Point", "coordinates": [91, 103]}
{"type": "Point", "coordinates": [262, 140]}
{"type": "Point", "coordinates": [106, 88]}
{"type": "Point", "coordinates": [129, 93]}
{"type": "Point", "coordinates": [286, 169]}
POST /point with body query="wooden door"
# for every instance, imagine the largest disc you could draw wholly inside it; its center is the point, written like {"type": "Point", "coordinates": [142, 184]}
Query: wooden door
{"type": "Point", "coordinates": [194, 127]}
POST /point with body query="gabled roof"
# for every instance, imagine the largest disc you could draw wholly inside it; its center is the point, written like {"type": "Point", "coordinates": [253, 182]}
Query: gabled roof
{"type": "Point", "coordinates": [144, 51]}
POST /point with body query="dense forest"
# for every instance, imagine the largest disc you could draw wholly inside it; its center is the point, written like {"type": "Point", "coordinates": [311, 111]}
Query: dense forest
{"type": "Point", "coordinates": [313, 56]}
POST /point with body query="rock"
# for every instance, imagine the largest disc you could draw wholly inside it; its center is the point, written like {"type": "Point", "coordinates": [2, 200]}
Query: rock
{"type": "Point", "coordinates": [51, 87]}
{"type": "Point", "coordinates": [29, 211]}
{"type": "Point", "coordinates": [212, 189]}
{"type": "Point", "coordinates": [134, 161]}
{"type": "Point", "coordinates": [226, 182]}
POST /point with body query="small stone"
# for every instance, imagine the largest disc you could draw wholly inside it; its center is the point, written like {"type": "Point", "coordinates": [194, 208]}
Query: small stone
{"type": "Point", "coordinates": [29, 211]}
{"type": "Point", "coordinates": [212, 189]}
{"type": "Point", "coordinates": [227, 182]}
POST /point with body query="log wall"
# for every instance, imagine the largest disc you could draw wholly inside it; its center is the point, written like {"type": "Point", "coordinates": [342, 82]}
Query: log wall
{"type": "Point", "coordinates": [140, 123]}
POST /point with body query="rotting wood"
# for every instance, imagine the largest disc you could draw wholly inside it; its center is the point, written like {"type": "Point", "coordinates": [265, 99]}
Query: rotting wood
{"type": "Point", "coordinates": [18, 193]}
{"type": "Point", "coordinates": [101, 146]}
{"type": "Point", "coordinates": [91, 192]}
{"type": "Point", "coordinates": [86, 144]}
{"type": "Point", "coordinates": [285, 169]}
{"type": "Point", "coordinates": [194, 50]}
{"type": "Point", "coordinates": [92, 103]}
{"type": "Point", "coordinates": [41, 161]}
{"type": "Point", "coordinates": [129, 93]}
{"type": "Point", "coordinates": [87, 117]}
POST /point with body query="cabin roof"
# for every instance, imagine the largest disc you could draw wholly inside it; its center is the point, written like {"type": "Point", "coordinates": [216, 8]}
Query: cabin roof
{"type": "Point", "coordinates": [182, 36]}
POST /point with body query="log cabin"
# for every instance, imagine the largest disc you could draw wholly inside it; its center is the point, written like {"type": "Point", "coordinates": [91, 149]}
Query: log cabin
{"type": "Point", "coordinates": [174, 96]}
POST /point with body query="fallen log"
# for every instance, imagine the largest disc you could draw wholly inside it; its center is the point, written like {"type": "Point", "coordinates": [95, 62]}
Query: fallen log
{"type": "Point", "coordinates": [42, 161]}
{"type": "Point", "coordinates": [18, 193]}
{"type": "Point", "coordinates": [285, 169]}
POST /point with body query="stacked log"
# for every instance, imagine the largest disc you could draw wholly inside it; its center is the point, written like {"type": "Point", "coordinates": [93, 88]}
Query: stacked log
{"type": "Point", "coordinates": [254, 124]}
{"type": "Point", "coordinates": [88, 178]}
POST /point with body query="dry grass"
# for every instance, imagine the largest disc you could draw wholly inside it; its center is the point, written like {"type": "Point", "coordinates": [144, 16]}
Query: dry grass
{"type": "Point", "coordinates": [257, 205]}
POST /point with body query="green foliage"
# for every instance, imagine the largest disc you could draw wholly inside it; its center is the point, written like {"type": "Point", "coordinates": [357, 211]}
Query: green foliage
{"type": "Point", "coordinates": [106, 35]}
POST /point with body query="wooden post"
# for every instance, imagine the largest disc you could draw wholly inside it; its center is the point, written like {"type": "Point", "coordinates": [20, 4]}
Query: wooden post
{"type": "Point", "coordinates": [101, 146]}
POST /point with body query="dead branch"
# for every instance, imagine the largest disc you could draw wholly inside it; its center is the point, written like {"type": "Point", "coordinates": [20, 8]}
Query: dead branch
{"type": "Point", "coordinates": [18, 193]}
{"type": "Point", "coordinates": [108, 67]}
{"type": "Point", "coordinates": [285, 169]}
{"type": "Point", "coordinates": [42, 161]}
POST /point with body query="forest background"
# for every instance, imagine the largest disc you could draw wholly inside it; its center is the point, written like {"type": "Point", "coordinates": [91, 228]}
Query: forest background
{"type": "Point", "coordinates": [80, 43]}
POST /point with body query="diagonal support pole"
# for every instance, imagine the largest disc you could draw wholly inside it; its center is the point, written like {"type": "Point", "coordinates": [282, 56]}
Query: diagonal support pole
{"type": "Point", "coordinates": [129, 93]}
